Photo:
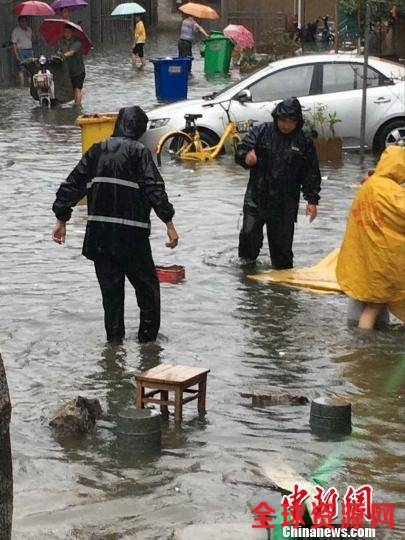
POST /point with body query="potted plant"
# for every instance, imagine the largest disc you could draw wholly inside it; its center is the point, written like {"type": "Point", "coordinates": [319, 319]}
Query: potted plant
{"type": "Point", "coordinates": [322, 123]}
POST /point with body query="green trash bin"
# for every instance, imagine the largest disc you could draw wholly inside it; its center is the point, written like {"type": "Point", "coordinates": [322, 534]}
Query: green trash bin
{"type": "Point", "coordinates": [218, 53]}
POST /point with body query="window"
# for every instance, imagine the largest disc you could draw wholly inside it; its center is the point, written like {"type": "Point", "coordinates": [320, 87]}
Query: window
{"type": "Point", "coordinates": [345, 77]}
{"type": "Point", "coordinates": [283, 84]}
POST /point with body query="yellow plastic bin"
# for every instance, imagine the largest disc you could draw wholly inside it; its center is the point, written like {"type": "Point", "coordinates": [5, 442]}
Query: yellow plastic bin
{"type": "Point", "coordinates": [95, 128]}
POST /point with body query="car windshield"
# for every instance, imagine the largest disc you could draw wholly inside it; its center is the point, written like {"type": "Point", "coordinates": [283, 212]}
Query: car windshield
{"type": "Point", "coordinates": [231, 85]}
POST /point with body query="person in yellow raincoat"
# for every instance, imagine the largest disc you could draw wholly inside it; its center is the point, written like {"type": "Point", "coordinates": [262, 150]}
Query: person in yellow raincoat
{"type": "Point", "coordinates": [371, 263]}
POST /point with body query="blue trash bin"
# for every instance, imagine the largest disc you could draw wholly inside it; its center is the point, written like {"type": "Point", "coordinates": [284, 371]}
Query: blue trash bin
{"type": "Point", "coordinates": [171, 77]}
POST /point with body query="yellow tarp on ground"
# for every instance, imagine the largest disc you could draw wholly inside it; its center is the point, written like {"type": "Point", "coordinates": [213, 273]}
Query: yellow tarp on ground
{"type": "Point", "coordinates": [371, 264]}
{"type": "Point", "coordinates": [320, 278]}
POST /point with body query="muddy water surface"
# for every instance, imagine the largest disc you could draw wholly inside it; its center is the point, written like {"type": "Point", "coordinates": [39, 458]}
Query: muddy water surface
{"type": "Point", "coordinates": [249, 335]}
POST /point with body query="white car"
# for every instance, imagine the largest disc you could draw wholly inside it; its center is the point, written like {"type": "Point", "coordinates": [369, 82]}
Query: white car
{"type": "Point", "coordinates": [334, 81]}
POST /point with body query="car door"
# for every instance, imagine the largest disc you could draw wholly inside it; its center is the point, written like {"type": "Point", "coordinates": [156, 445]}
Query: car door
{"type": "Point", "coordinates": [269, 90]}
{"type": "Point", "coordinates": [341, 85]}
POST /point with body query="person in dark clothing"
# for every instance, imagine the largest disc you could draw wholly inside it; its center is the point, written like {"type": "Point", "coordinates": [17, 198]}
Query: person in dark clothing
{"type": "Point", "coordinates": [70, 47]}
{"type": "Point", "coordinates": [282, 161]}
{"type": "Point", "coordinates": [122, 185]}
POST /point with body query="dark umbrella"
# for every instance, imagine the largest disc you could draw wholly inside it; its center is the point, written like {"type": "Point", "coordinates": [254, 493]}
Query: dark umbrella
{"type": "Point", "coordinates": [53, 29]}
{"type": "Point", "coordinates": [72, 5]}
{"type": "Point", "coordinates": [33, 8]}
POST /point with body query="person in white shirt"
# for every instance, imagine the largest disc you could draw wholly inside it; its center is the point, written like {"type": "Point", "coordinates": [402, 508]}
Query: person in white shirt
{"type": "Point", "coordinates": [21, 39]}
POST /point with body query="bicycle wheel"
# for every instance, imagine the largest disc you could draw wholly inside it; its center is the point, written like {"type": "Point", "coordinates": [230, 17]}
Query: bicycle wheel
{"type": "Point", "coordinates": [172, 146]}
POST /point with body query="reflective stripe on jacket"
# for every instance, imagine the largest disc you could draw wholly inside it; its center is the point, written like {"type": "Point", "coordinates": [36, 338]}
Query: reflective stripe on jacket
{"type": "Point", "coordinates": [122, 185]}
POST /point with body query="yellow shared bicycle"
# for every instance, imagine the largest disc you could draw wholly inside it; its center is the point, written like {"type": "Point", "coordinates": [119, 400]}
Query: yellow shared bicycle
{"type": "Point", "coordinates": [189, 144]}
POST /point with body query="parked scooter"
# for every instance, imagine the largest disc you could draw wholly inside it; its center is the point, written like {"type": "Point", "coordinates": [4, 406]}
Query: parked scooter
{"type": "Point", "coordinates": [50, 80]}
{"type": "Point", "coordinates": [43, 84]}
{"type": "Point", "coordinates": [326, 37]}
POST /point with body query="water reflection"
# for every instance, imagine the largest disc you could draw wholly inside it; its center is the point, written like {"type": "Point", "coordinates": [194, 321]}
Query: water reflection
{"type": "Point", "coordinates": [378, 402]}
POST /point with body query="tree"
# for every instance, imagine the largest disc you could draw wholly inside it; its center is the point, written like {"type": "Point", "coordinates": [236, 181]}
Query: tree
{"type": "Point", "coordinates": [382, 11]}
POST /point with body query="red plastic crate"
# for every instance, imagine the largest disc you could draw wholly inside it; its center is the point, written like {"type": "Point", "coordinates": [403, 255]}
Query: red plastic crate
{"type": "Point", "coordinates": [171, 274]}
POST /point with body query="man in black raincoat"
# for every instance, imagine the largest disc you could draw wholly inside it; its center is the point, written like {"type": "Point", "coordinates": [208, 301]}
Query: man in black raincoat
{"type": "Point", "coordinates": [282, 161]}
{"type": "Point", "coordinates": [122, 184]}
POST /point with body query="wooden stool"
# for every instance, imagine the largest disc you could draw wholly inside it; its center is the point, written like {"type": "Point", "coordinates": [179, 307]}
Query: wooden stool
{"type": "Point", "coordinates": [170, 378]}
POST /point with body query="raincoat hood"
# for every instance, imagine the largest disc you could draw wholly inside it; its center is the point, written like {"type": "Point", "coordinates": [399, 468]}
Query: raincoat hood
{"type": "Point", "coordinates": [392, 164]}
{"type": "Point", "coordinates": [131, 123]}
{"type": "Point", "coordinates": [289, 108]}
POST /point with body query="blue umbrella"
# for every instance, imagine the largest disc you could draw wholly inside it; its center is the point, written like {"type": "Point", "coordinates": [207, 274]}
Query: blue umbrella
{"type": "Point", "coordinates": [129, 8]}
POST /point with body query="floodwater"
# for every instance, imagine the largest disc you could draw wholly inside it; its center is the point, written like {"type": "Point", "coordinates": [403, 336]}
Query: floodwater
{"type": "Point", "coordinates": [248, 334]}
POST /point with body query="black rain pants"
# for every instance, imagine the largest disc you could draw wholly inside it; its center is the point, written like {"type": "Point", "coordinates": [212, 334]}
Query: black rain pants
{"type": "Point", "coordinates": [280, 235]}
{"type": "Point", "coordinates": [140, 270]}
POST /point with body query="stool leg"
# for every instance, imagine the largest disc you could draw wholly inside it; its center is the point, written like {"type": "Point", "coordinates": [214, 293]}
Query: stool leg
{"type": "Point", "coordinates": [140, 394]}
{"type": "Point", "coordinates": [164, 396]}
{"type": "Point", "coordinates": [178, 405]}
{"type": "Point", "coordinates": [202, 390]}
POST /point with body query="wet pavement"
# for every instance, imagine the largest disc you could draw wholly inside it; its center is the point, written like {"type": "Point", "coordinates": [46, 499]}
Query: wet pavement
{"type": "Point", "coordinates": [250, 335]}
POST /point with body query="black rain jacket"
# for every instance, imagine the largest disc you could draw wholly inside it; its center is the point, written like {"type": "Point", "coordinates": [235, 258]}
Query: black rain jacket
{"type": "Point", "coordinates": [122, 184]}
{"type": "Point", "coordinates": [286, 165]}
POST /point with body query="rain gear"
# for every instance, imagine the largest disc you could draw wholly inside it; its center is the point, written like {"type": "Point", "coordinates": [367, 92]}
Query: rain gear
{"type": "Point", "coordinates": [122, 184]}
{"type": "Point", "coordinates": [371, 264]}
{"type": "Point", "coordinates": [286, 165]}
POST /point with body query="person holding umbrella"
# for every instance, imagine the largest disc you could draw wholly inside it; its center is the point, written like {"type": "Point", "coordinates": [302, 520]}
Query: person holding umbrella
{"type": "Point", "coordinates": [64, 14]}
{"type": "Point", "coordinates": [71, 49]}
{"type": "Point", "coordinates": [21, 39]}
{"type": "Point", "coordinates": [22, 35]}
{"type": "Point", "coordinates": [189, 27]}
{"type": "Point", "coordinates": [134, 9]}
{"type": "Point", "coordinates": [65, 7]}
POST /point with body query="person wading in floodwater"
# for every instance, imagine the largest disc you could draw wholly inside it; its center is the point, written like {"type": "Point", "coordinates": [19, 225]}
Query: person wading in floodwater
{"type": "Point", "coordinates": [188, 28]}
{"type": "Point", "coordinates": [122, 185]}
{"type": "Point", "coordinates": [282, 161]}
{"type": "Point", "coordinates": [71, 48]}
{"type": "Point", "coordinates": [371, 263]}
{"type": "Point", "coordinates": [139, 42]}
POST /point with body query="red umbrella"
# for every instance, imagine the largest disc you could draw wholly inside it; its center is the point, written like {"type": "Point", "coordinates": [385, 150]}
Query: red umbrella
{"type": "Point", "coordinates": [243, 37]}
{"type": "Point", "coordinates": [53, 29]}
{"type": "Point", "coordinates": [33, 8]}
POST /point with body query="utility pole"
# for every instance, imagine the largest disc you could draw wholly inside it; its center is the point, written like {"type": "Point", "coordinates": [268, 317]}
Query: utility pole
{"type": "Point", "coordinates": [359, 25]}
{"type": "Point", "coordinates": [6, 469]}
{"type": "Point", "coordinates": [365, 73]}
{"type": "Point", "coordinates": [337, 26]}
{"type": "Point", "coordinates": [224, 13]}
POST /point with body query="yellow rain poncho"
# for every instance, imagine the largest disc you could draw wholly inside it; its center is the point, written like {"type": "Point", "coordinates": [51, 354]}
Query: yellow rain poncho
{"type": "Point", "coordinates": [371, 263]}
{"type": "Point", "coordinates": [320, 278]}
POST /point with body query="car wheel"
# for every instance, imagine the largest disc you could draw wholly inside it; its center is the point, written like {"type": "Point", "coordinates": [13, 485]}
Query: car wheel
{"type": "Point", "coordinates": [393, 132]}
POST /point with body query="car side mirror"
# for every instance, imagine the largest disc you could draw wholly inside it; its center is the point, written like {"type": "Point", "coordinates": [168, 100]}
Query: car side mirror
{"type": "Point", "coordinates": [244, 96]}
